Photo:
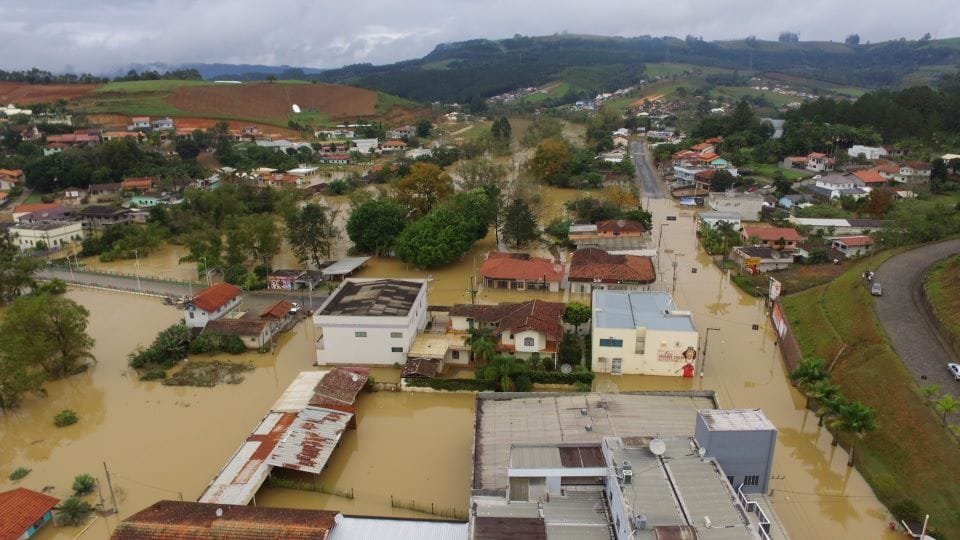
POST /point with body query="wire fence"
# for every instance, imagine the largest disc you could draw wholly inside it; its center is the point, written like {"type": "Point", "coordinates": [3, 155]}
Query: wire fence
{"type": "Point", "coordinates": [424, 508]}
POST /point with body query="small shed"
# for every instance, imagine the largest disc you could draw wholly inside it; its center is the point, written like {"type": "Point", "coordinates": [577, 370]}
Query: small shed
{"type": "Point", "coordinates": [283, 280]}
{"type": "Point", "coordinates": [421, 368]}
{"type": "Point", "coordinates": [344, 267]}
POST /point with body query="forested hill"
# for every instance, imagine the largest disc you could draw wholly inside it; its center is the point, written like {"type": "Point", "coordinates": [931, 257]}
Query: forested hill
{"type": "Point", "coordinates": [459, 71]}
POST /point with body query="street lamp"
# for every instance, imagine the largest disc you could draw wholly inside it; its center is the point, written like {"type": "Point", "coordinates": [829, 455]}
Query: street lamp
{"type": "Point", "coordinates": [706, 342]}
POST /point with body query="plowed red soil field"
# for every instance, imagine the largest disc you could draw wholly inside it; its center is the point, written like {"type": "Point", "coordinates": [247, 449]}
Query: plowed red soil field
{"type": "Point", "coordinates": [27, 94]}
{"type": "Point", "coordinates": [274, 101]}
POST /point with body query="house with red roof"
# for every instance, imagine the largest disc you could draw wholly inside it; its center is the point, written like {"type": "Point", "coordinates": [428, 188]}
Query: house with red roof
{"type": "Point", "coordinates": [393, 145]}
{"type": "Point", "coordinates": [592, 268]}
{"type": "Point", "coordinates": [139, 184]}
{"type": "Point", "coordinates": [11, 178]}
{"type": "Point", "coordinates": [818, 162]}
{"type": "Point", "coordinates": [852, 246]}
{"type": "Point", "coordinates": [871, 177]}
{"type": "Point", "coordinates": [521, 272]}
{"type": "Point", "coordinates": [773, 237]}
{"type": "Point", "coordinates": [24, 210]}
{"type": "Point", "coordinates": [519, 329]}
{"type": "Point", "coordinates": [23, 512]}
{"type": "Point", "coordinates": [211, 304]}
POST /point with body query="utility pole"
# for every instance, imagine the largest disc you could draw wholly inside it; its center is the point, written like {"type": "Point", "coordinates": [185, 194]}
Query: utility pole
{"type": "Point", "coordinates": [706, 343]}
{"type": "Point", "coordinates": [137, 256]}
{"type": "Point", "coordinates": [673, 289]}
{"type": "Point", "coordinates": [113, 496]}
{"type": "Point", "coordinates": [472, 291]}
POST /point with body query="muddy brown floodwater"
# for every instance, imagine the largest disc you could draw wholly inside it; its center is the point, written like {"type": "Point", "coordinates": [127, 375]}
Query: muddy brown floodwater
{"type": "Point", "coordinates": [161, 442]}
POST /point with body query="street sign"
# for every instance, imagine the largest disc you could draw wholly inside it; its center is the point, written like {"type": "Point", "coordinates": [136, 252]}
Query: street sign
{"type": "Point", "coordinates": [751, 261]}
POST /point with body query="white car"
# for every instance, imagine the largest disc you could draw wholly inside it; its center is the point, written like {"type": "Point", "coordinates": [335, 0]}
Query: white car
{"type": "Point", "coordinates": [295, 308]}
{"type": "Point", "coordinates": [876, 289]}
{"type": "Point", "coordinates": [954, 370]}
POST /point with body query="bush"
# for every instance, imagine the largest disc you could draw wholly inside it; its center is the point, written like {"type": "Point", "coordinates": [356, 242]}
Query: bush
{"type": "Point", "coordinates": [556, 377]}
{"type": "Point", "coordinates": [66, 417]}
{"type": "Point", "coordinates": [18, 473]}
{"type": "Point", "coordinates": [232, 345]}
{"type": "Point", "coordinates": [84, 484]}
{"type": "Point", "coordinates": [548, 363]}
{"type": "Point", "coordinates": [473, 385]}
{"type": "Point", "coordinates": [907, 510]}
{"type": "Point", "coordinates": [73, 511]}
{"type": "Point", "coordinates": [154, 374]}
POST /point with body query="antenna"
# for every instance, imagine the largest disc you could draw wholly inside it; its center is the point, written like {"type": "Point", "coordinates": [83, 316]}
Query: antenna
{"type": "Point", "coordinates": [657, 447]}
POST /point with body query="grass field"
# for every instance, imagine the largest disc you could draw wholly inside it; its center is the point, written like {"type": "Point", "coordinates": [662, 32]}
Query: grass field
{"type": "Point", "coordinates": [943, 291]}
{"type": "Point", "coordinates": [769, 169]}
{"type": "Point", "coordinates": [386, 102]}
{"type": "Point", "coordinates": [736, 93]}
{"type": "Point", "coordinates": [911, 457]}
{"type": "Point", "coordinates": [557, 90]}
{"type": "Point", "coordinates": [136, 87]}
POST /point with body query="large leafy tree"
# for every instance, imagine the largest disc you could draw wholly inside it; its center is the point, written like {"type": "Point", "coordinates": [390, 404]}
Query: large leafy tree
{"type": "Point", "coordinates": [577, 314]}
{"type": "Point", "coordinates": [375, 225]}
{"type": "Point", "coordinates": [438, 239]}
{"type": "Point", "coordinates": [16, 271]}
{"type": "Point", "coordinates": [550, 162]}
{"type": "Point", "coordinates": [49, 331]}
{"type": "Point", "coordinates": [519, 224]}
{"type": "Point", "coordinates": [310, 232]}
{"type": "Point", "coordinates": [501, 129]}
{"type": "Point", "coordinates": [423, 188]}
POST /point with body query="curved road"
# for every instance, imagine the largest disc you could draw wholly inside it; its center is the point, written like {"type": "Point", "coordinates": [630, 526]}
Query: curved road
{"type": "Point", "coordinates": [907, 319]}
{"type": "Point", "coordinates": [647, 180]}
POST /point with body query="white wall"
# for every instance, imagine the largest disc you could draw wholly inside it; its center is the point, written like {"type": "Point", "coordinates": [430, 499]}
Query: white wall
{"type": "Point", "coordinates": [27, 238]}
{"type": "Point", "coordinates": [200, 317]}
{"type": "Point", "coordinates": [662, 353]}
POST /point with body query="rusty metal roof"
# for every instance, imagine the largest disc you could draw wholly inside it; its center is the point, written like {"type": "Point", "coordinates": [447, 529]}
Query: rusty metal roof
{"type": "Point", "coordinates": [310, 440]}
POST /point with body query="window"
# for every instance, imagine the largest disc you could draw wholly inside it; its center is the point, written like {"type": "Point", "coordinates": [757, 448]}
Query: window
{"type": "Point", "coordinates": [191, 314]}
{"type": "Point", "coordinates": [359, 334]}
{"type": "Point", "coordinates": [455, 355]}
{"type": "Point", "coordinates": [396, 334]}
{"type": "Point", "coordinates": [396, 349]}
{"type": "Point", "coordinates": [610, 342]}
{"type": "Point", "coordinates": [529, 342]}
{"type": "Point", "coordinates": [616, 366]}
{"type": "Point", "coordinates": [751, 480]}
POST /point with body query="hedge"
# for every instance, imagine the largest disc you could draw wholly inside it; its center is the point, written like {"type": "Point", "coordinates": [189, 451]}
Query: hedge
{"type": "Point", "coordinates": [473, 385]}
{"type": "Point", "coordinates": [557, 377]}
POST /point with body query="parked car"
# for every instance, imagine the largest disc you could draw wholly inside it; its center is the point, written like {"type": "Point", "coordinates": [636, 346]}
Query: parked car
{"type": "Point", "coordinates": [876, 290]}
{"type": "Point", "coordinates": [955, 370]}
{"type": "Point", "coordinates": [295, 308]}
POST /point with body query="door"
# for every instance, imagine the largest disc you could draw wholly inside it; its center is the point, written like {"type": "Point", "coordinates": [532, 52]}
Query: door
{"type": "Point", "coordinates": [616, 366]}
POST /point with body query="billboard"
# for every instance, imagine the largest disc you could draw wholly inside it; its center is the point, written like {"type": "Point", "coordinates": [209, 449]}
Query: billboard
{"type": "Point", "coordinates": [775, 288]}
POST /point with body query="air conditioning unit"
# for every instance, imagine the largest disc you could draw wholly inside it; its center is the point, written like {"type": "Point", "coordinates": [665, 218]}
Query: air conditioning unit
{"type": "Point", "coordinates": [640, 522]}
{"type": "Point", "coordinates": [627, 466]}
{"type": "Point", "coordinates": [627, 477]}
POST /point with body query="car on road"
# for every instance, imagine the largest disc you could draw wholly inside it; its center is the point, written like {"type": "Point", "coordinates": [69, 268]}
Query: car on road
{"type": "Point", "coordinates": [955, 370]}
{"type": "Point", "coordinates": [295, 308]}
{"type": "Point", "coordinates": [876, 289]}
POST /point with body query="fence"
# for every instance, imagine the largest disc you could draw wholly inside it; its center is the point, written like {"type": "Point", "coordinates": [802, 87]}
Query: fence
{"type": "Point", "coordinates": [751, 506]}
{"type": "Point", "coordinates": [789, 347]}
{"type": "Point", "coordinates": [113, 273]}
{"type": "Point", "coordinates": [451, 513]}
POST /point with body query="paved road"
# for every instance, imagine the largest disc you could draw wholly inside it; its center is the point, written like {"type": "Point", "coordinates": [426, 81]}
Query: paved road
{"type": "Point", "coordinates": [908, 321]}
{"type": "Point", "coordinates": [647, 180]}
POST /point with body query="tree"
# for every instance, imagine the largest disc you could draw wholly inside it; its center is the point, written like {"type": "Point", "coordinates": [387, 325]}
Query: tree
{"type": "Point", "coordinates": [808, 372]}
{"type": "Point", "coordinates": [857, 419]}
{"type": "Point", "coordinates": [423, 128]}
{"type": "Point", "coordinates": [788, 37]}
{"type": "Point", "coordinates": [49, 331]}
{"type": "Point", "coordinates": [501, 130]}
{"type": "Point", "coordinates": [19, 375]}
{"type": "Point", "coordinates": [519, 224]}
{"type": "Point", "coordinates": [549, 162]}
{"type": "Point", "coordinates": [576, 314]}
{"type": "Point", "coordinates": [852, 40]}
{"type": "Point", "coordinates": [187, 148]}
{"type": "Point", "coordinates": [374, 226]}
{"type": "Point", "coordinates": [822, 392]}
{"type": "Point", "coordinates": [73, 511]}
{"type": "Point", "coordinates": [879, 202]}
{"type": "Point", "coordinates": [946, 405]}
{"type": "Point", "coordinates": [939, 175]}
{"type": "Point", "coordinates": [16, 271]}
{"type": "Point", "coordinates": [438, 239]}
{"type": "Point", "coordinates": [84, 484]}
{"type": "Point", "coordinates": [571, 349]}
{"type": "Point", "coordinates": [422, 188]}
{"type": "Point", "coordinates": [722, 181]}
{"type": "Point", "coordinates": [480, 173]}
{"type": "Point", "coordinates": [481, 343]}
{"type": "Point", "coordinates": [930, 392]}
{"type": "Point", "coordinates": [310, 232]}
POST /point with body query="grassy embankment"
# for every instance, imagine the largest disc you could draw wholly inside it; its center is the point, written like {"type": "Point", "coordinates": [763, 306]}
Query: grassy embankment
{"type": "Point", "coordinates": [911, 457]}
{"type": "Point", "coordinates": [943, 290]}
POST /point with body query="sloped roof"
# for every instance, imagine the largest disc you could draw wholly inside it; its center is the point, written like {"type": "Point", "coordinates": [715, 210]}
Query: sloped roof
{"type": "Point", "coordinates": [184, 520]}
{"type": "Point", "coordinates": [95, 210]}
{"type": "Point", "coordinates": [621, 226]}
{"type": "Point", "coordinates": [236, 327]}
{"type": "Point", "coordinates": [519, 266]}
{"type": "Point", "coordinates": [277, 311]}
{"type": "Point", "coordinates": [38, 207]}
{"type": "Point", "coordinates": [421, 367]}
{"type": "Point", "coordinates": [217, 296]}
{"type": "Point", "coordinates": [140, 182]}
{"type": "Point", "coordinates": [20, 508]}
{"type": "Point", "coordinates": [870, 176]}
{"type": "Point", "coordinates": [855, 241]}
{"type": "Point", "coordinates": [536, 315]}
{"type": "Point", "coordinates": [772, 234]}
{"type": "Point", "coordinates": [340, 385]}
{"type": "Point", "coordinates": [590, 264]}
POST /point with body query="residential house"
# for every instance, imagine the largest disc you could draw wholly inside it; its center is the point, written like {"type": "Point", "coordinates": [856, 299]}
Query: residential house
{"type": "Point", "coordinates": [254, 333]}
{"type": "Point", "coordinates": [104, 192]}
{"type": "Point", "coordinates": [116, 135]}
{"type": "Point", "coordinates": [418, 153]}
{"type": "Point", "coordinates": [340, 133]}
{"type": "Point", "coordinates": [641, 333]}
{"type": "Point", "coordinates": [834, 186]}
{"type": "Point", "coordinates": [704, 148]}
{"type": "Point", "coordinates": [852, 246]}
{"type": "Point", "coordinates": [51, 235]}
{"type": "Point", "coordinates": [704, 179]}
{"type": "Point", "coordinates": [748, 205]}
{"type": "Point", "coordinates": [614, 156]}
{"type": "Point", "coordinates": [610, 235]}
{"type": "Point", "coordinates": [23, 512]}
{"type": "Point", "coordinates": [871, 153]}
{"type": "Point", "coordinates": [521, 329]}
{"type": "Point", "coordinates": [402, 132]}
{"type": "Point", "coordinates": [77, 138]}
{"type": "Point", "coordinates": [713, 219]}
{"type": "Point", "coordinates": [139, 184]}
{"type": "Point", "coordinates": [760, 259]}
{"type": "Point", "coordinates": [370, 321]}
{"type": "Point", "coordinates": [871, 178]}
{"type": "Point", "coordinates": [521, 272]}
{"type": "Point", "coordinates": [817, 162]}
{"type": "Point", "coordinates": [162, 124]}
{"type": "Point", "coordinates": [99, 216]}
{"type": "Point", "coordinates": [335, 159]}
{"type": "Point", "coordinates": [54, 148]}
{"type": "Point", "coordinates": [365, 146]}
{"type": "Point", "coordinates": [685, 175]}
{"type": "Point", "coordinates": [11, 178]}
{"type": "Point", "coordinates": [620, 141]}
{"type": "Point", "coordinates": [840, 227]}
{"type": "Point", "coordinates": [60, 212]}
{"type": "Point", "coordinates": [278, 314]}
{"type": "Point", "coordinates": [796, 200]}
{"type": "Point", "coordinates": [794, 162]}
{"type": "Point", "coordinates": [211, 304]}
{"type": "Point", "coordinates": [139, 123]}
{"type": "Point", "coordinates": [592, 269]}
{"type": "Point", "coordinates": [393, 145]}
{"type": "Point", "coordinates": [51, 209]}
{"type": "Point", "coordinates": [74, 196]}
{"type": "Point", "coordinates": [774, 237]}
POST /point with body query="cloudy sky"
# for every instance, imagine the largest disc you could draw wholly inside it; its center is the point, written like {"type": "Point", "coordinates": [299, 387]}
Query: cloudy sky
{"type": "Point", "coordinates": [99, 35]}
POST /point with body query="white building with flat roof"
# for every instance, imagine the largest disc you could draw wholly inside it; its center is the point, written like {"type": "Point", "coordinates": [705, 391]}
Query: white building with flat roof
{"type": "Point", "coordinates": [642, 333]}
{"type": "Point", "coordinates": [370, 321]}
{"type": "Point", "coordinates": [52, 234]}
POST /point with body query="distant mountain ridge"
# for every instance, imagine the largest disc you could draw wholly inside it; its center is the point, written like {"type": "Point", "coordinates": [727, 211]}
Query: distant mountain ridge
{"type": "Point", "coordinates": [223, 71]}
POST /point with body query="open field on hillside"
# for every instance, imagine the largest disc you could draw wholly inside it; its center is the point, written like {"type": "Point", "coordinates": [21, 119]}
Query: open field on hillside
{"type": "Point", "coordinates": [28, 94]}
{"type": "Point", "coordinates": [907, 458]}
{"type": "Point", "coordinates": [943, 291]}
{"type": "Point", "coordinates": [135, 87]}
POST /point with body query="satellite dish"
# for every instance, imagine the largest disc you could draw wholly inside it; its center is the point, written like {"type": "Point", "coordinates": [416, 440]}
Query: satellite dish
{"type": "Point", "coordinates": [296, 108]}
{"type": "Point", "coordinates": [565, 368]}
{"type": "Point", "coordinates": [219, 512]}
{"type": "Point", "coordinates": [658, 447]}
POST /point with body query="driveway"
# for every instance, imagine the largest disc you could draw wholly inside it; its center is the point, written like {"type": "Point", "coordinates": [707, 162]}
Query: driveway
{"type": "Point", "coordinates": [904, 314]}
{"type": "Point", "coordinates": [648, 181]}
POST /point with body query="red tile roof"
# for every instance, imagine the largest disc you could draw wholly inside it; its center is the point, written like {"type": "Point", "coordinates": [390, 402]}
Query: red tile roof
{"type": "Point", "coordinates": [12, 174]}
{"type": "Point", "coordinates": [182, 520]}
{"type": "Point", "coordinates": [236, 327]}
{"type": "Point", "coordinates": [590, 264]}
{"type": "Point", "coordinates": [20, 508]}
{"type": "Point", "coordinates": [420, 367]}
{"type": "Point", "coordinates": [815, 155]}
{"type": "Point", "coordinates": [621, 226]}
{"type": "Point", "coordinates": [772, 234]}
{"type": "Point", "coordinates": [339, 386]}
{"type": "Point", "coordinates": [709, 157]}
{"type": "Point", "coordinates": [855, 241]}
{"type": "Point", "coordinates": [215, 297]}
{"type": "Point", "coordinates": [537, 315]}
{"type": "Point", "coordinates": [277, 311]}
{"type": "Point", "coordinates": [700, 147]}
{"type": "Point", "coordinates": [145, 182]}
{"type": "Point", "coordinates": [519, 266]}
{"type": "Point", "coordinates": [38, 207]}
{"type": "Point", "coordinates": [870, 176]}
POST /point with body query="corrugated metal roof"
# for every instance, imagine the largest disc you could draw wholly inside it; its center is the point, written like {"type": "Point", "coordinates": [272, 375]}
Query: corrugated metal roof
{"type": "Point", "coordinates": [310, 440]}
{"type": "Point", "coordinates": [360, 528]}
{"type": "Point", "coordinates": [620, 309]}
{"type": "Point", "coordinates": [535, 457]}
{"type": "Point", "coordinates": [736, 420]}
{"type": "Point", "coordinates": [345, 266]}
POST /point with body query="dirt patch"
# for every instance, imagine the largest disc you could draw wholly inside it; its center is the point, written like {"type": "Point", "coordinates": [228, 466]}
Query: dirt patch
{"type": "Point", "coordinates": [27, 94]}
{"type": "Point", "coordinates": [640, 101]}
{"type": "Point", "coordinates": [274, 101]}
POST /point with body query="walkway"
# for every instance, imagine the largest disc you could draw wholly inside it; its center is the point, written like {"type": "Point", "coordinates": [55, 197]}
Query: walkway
{"type": "Point", "coordinates": [908, 320]}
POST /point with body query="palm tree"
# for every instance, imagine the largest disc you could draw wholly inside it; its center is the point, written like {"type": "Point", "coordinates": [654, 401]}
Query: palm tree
{"type": "Point", "coordinates": [946, 405]}
{"type": "Point", "coordinates": [930, 392]}
{"type": "Point", "coordinates": [481, 343]}
{"type": "Point", "coordinates": [808, 373]}
{"type": "Point", "coordinates": [858, 419]}
{"type": "Point", "coordinates": [822, 392]}
{"type": "Point", "coordinates": [832, 412]}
